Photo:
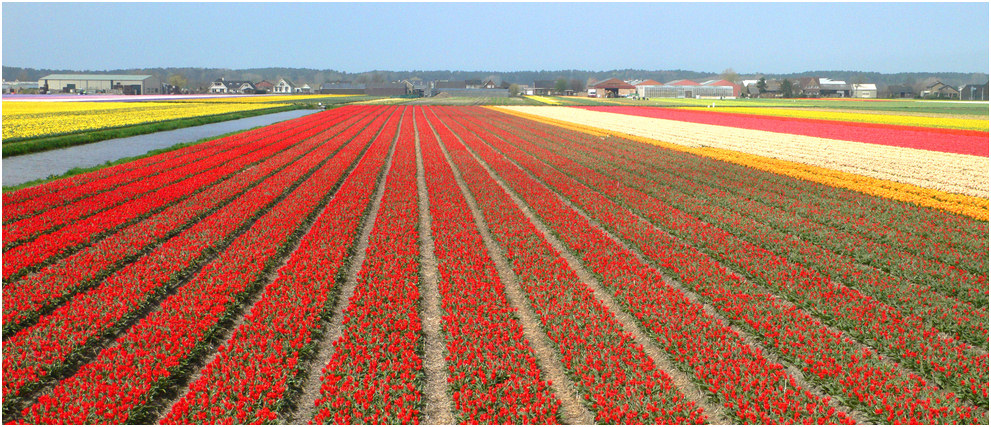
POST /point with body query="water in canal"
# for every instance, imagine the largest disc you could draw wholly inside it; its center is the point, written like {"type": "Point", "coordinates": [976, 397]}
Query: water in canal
{"type": "Point", "coordinates": [29, 167]}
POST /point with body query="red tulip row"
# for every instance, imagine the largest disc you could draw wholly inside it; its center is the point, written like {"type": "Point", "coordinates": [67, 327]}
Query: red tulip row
{"type": "Point", "coordinates": [617, 380]}
{"type": "Point", "coordinates": [756, 389]}
{"type": "Point", "coordinates": [971, 142]}
{"type": "Point", "coordinates": [29, 201]}
{"type": "Point", "coordinates": [124, 377]}
{"type": "Point", "coordinates": [839, 364]}
{"type": "Point", "coordinates": [59, 192]}
{"type": "Point", "coordinates": [904, 337]}
{"type": "Point", "coordinates": [146, 189]}
{"type": "Point", "coordinates": [493, 372]}
{"type": "Point", "coordinates": [37, 351]}
{"type": "Point", "coordinates": [899, 261]}
{"type": "Point", "coordinates": [772, 230]}
{"type": "Point", "coordinates": [81, 233]}
{"type": "Point", "coordinates": [375, 375]}
{"type": "Point", "coordinates": [24, 299]}
{"type": "Point", "coordinates": [685, 172]}
{"type": "Point", "coordinates": [247, 382]}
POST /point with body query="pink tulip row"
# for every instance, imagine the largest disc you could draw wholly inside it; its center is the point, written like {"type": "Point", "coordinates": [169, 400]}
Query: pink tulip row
{"type": "Point", "coordinates": [124, 377]}
{"type": "Point", "coordinates": [375, 375]}
{"type": "Point", "coordinates": [840, 364]}
{"type": "Point", "coordinates": [249, 379]}
{"type": "Point", "coordinates": [614, 376]}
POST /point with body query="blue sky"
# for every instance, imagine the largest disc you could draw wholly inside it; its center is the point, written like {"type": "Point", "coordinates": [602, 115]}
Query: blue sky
{"type": "Point", "coordinates": [355, 37]}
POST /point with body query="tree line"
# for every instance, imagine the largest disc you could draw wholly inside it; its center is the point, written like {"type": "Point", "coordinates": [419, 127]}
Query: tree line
{"type": "Point", "coordinates": [200, 78]}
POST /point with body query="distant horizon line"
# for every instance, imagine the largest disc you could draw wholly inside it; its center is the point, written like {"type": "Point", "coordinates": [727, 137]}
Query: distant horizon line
{"type": "Point", "coordinates": [496, 71]}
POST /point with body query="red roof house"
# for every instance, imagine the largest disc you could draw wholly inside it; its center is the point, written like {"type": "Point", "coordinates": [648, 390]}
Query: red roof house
{"type": "Point", "coordinates": [613, 88]}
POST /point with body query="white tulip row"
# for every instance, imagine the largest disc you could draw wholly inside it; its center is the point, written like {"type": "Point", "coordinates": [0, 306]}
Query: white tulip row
{"type": "Point", "coordinates": [953, 173]}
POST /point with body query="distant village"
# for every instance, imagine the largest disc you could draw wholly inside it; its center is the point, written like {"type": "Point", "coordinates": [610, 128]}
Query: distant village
{"type": "Point", "coordinates": [804, 87]}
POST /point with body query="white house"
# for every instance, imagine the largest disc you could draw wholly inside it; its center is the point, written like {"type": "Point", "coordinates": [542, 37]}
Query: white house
{"type": "Point", "coordinates": [284, 86]}
{"type": "Point", "coordinates": [305, 89]}
{"type": "Point", "coordinates": [867, 90]}
{"type": "Point", "coordinates": [231, 86]}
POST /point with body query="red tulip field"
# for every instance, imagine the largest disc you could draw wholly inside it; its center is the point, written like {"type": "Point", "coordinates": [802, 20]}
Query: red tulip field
{"type": "Point", "coordinates": [374, 264]}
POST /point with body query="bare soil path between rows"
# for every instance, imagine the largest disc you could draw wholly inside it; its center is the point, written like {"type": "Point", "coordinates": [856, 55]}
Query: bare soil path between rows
{"type": "Point", "coordinates": [573, 409]}
{"type": "Point", "coordinates": [270, 275]}
{"type": "Point", "coordinates": [333, 326]}
{"type": "Point", "coordinates": [713, 412]}
{"type": "Point", "coordinates": [91, 350]}
{"type": "Point", "coordinates": [438, 404]}
{"type": "Point", "coordinates": [694, 297]}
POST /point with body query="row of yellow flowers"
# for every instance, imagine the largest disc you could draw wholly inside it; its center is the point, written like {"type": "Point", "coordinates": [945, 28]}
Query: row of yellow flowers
{"type": "Point", "coordinates": [954, 173]}
{"type": "Point", "coordinates": [252, 99]}
{"type": "Point", "coordinates": [889, 119]}
{"type": "Point", "coordinates": [974, 207]}
{"type": "Point", "coordinates": [38, 119]}
{"type": "Point", "coordinates": [544, 100]}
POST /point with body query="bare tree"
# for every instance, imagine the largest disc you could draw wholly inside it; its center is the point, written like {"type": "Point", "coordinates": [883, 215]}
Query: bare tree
{"type": "Point", "coordinates": [576, 85]}
{"type": "Point", "coordinates": [178, 80]}
{"type": "Point", "coordinates": [514, 89]}
{"type": "Point", "coordinates": [730, 76]}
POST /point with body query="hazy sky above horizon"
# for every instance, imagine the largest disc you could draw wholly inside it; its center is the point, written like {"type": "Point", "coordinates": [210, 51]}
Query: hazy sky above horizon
{"type": "Point", "coordinates": [355, 37]}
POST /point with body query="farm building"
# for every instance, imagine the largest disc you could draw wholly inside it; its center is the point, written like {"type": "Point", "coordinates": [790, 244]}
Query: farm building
{"type": "Point", "coordinates": [614, 88]}
{"type": "Point", "coordinates": [865, 90]}
{"type": "Point", "coordinates": [19, 86]}
{"type": "Point", "coordinates": [264, 86]}
{"type": "Point", "coordinates": [342, 88]}
{"type": "Point", "coordinates": [231, 86]}
{"type": "Point", "coordinates": [689, 89]}
{"type": "Point", "coordinates": [682, 82]}
{"type": "Point", "coordinates": [388, 89]}
{"type": "Point", "coordinates": [644, 84]}
{"type": "Point", "coordinates": [126, 84]}
{"type": "Point", "coordinates": [901, 91]}
{"type": "Point", "coordinates": [833, 88]}
{"type": "Point", "coordinates": [718, 88]}
{"type": "Point", "coordinates": [974, 92]}
{"type": "Point", "coordinates": [541, 87]}
{"type": "Point", "coordinates": [808, 87]}
{"type": "Point", "coordinates": [419, 87]}
{"type": "Point", "coordinates": [940, 90]}
{"type": "Point", "coordinates": [476, 93]}
{"type": "Point", "coordinates": [772, 90]}
{"type": "Point", "coordinates": [450, 84]}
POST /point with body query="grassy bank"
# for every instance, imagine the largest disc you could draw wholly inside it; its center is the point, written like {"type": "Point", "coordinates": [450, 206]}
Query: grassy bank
{"type": "Point", "coordinates": [62, 141]}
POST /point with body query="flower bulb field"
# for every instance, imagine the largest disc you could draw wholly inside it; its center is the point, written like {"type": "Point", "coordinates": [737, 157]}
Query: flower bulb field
{"type": "Point", "coordinates": [510, 264]}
